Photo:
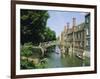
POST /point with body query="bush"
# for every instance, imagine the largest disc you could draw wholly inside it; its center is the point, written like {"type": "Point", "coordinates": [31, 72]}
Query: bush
{"type": "Point", "coordinates": [26, 49]}
{"type": "Point", "coordinates": [27, 64]}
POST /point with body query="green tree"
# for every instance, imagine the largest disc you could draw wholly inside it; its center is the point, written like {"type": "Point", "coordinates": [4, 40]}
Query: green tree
{"type": "Point", "coordinates": [49, 34]}
{"type": "Point", "coordinates": [33, 27]}
{"type": "Point", "coordinates": [33, 24]}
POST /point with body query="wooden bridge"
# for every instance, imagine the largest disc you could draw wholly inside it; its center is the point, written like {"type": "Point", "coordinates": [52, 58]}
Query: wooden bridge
{"type": "Point", "coordinates": [44, 45]}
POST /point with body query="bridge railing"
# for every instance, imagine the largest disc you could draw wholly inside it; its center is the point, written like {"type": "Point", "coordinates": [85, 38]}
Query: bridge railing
{"type": "Point", "coordinates": [47, 44]}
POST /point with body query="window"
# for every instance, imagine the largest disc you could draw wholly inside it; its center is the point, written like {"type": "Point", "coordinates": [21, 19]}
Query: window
{"type": "Point", "coordinates": [87, 31]}
{"type": "Point", "coordinates": [87, 43]}
{"type": "Point", "coordinates": [87, 20]}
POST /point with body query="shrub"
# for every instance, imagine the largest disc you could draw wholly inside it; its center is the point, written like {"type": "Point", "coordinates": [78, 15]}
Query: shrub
{"type": "Point", "coordinates": [26, 49]}
{"type": "Point", "coordinates": [27, 64]}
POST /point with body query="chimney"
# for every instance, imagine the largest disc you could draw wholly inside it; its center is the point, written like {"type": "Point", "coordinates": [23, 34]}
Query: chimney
{"type": "Point", "coordinates": [74, 23]}
{"type": "Point", "coordinates": [67, 26]}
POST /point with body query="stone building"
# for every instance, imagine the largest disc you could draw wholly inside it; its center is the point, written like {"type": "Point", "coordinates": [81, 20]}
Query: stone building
{"type": "Point", "coordinates": [63, 39]}
{"type": "Point", "coordinates": [74, 40]}
{"type": "Point", "coordinates": [87, 37]}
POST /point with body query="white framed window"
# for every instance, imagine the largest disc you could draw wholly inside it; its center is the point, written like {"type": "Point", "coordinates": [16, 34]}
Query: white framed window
{"type": "Point", "coordinates": [87, 43]}
{"type": "Point", "coordinates": [87, 20]}
{"type": "Point", "coordinates": [87, 31]}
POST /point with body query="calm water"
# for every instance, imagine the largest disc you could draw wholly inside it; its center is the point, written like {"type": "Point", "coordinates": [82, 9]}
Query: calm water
{"type": "Point", "coordinates": [57, 60]}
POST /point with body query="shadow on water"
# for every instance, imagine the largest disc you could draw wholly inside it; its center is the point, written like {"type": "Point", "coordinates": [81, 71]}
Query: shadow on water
{"type": "Point", "coordinates": [71, 61]}
{"type": "Point", "coordinates": [57, 60]}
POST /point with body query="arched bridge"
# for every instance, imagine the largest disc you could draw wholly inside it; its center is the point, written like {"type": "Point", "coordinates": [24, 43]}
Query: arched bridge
{"type": "Point", "coordinates": [44, 45]}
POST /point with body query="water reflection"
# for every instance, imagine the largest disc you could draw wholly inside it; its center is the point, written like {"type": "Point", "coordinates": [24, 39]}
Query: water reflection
{"type": "Point", "coordinates": [56, 60]}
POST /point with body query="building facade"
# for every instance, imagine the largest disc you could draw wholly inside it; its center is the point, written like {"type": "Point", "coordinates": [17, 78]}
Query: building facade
{"type": "Point", "coordinates": [87, 37]}
{"type": "Point", "coordinates": [76, 40]}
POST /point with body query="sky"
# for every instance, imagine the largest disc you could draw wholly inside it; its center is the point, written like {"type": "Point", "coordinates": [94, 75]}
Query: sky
{"type": "Point", "coordinates": [58, 19]}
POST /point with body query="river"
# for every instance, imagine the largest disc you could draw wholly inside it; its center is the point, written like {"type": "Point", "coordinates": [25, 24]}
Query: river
{"type": "Point", "coordinates": [57, 60]}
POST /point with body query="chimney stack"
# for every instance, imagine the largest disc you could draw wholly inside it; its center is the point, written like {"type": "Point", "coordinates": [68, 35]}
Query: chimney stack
{"type": "Point", "coordinates": [67, 26]}
{"type": "Point", "coordinates": [74, 22]}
